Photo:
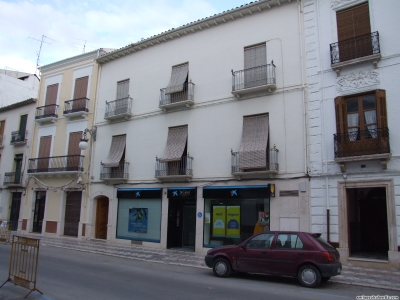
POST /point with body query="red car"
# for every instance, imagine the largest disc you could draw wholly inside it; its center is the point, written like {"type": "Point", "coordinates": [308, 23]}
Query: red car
{"type": "Point", "coordinates": [306, 256]}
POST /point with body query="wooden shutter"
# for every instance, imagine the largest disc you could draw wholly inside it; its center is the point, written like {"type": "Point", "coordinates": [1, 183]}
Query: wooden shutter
{"type": "Point", "coordinates": [341, 116]}
{"type": "Point", "coordinates": [72, 213]}
{"type": "Point", "coordinates": [255, 56]}
{"type": "Point", "coordinates": [51, 94]}
{"type": "Point", "coordinates": [353, 22]}
{"type": "Point", "coordinates": [22, 127]}
{"type": "Point", "coordinates": [45, 146]}
{"type": "Point", "coordinates": [380, 96]}
{"type": "Point", "coordinates": [74, 152]}
{"type": "Point", "coordinates": [123, 89]}
{"type": "Point", "coordinates": [81, 85]}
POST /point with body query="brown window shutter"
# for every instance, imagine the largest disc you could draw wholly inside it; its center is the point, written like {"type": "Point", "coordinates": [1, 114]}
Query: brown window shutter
{"type": "Point", "coordinates": [353, 22]}
{"type": "Point", "coordinates": [2, 123]}
{"type": "Point", "coordinates": [81, 85]}
{"type": "Point", "coordinates": [380, 97]}
{"type": "Point", "coordinates": [341, 117]}
{"type": "Point", "coordinates": [45, 146]}
{"type": "Point", "coordinates": [74, 140]}
{"type": "Point", "coordinates": [51, 95]}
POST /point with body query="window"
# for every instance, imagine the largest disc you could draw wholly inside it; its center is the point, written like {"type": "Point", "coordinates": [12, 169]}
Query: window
{"type": "Point", "coordinates": [44, 153]}
{"type": "Point", "coordinates": [22, 127]}
{"type": "Point", "coordinates": [123, 89]}
{"type": "Point", "coordinates": [261, 241]}
{"type": "Point", "coordinates": [51, 99]}
{"type": "Point", "coordinates": [80, 93]}
{"type": "Point", "coordinates": [178, 84]}
{"type": "Point", "coordinates": [117, 151]}
{"type": "Point", "coordinates": [255, 61]}
{"type": "Point", "coordinates": [74, 152]}
{"type": "Point", "coordinates": [354, 32]}
{"type": "Point", "coordinates": [174, 160]}
{"type": "Point", "coordinates": [253, 148]}
{"type": "Point", "coordinates": [2, 125]}
{"type": "Point", "coordinates": [288, 241]}
{"type": "Point", "coordinates": [361, 124]}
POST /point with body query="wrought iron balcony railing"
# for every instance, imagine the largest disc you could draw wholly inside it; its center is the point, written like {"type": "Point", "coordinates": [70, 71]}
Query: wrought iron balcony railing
{"type": "Point", "coordinates": [118, 107]}
{"type": "Point", "coordinates": [56, 164]}
{"type": "Point", "coordinates": [254, 77]}
{"type": "Point", "coordinates": [186, 94]}
{"type": "Point", "coordinates": [120, 172]}
{"type": "Point", "coordinates": [360, 46]}
{"type": "Point", "coordinates": [76, 105]}
{"type": "Point", "coordinates": [12, 178]}
{"type": "Point", "coordinates": [239, 165]}
{"type": "Point", "coordinates": [46, 111]}
{"type": "Point", "coordinates": [363, 142]}
{"type": "Point", "coordinates": [18, 137]}
{"type": "Point", "coordinates": [174, 168]}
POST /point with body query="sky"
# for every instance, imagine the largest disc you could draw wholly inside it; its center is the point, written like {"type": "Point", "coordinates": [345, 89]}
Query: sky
{"type": "Point", "coordinates": [69, 28]}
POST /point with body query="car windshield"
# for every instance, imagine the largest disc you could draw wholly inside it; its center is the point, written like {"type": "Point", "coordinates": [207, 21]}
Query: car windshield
{"type": "Point", "coordinates": [323, 243]}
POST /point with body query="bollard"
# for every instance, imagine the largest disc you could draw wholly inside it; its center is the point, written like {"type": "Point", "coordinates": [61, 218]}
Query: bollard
{"type": "Point", "coordinates": [24, 263]}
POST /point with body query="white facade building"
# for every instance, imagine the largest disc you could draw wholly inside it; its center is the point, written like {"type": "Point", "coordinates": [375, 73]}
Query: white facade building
{"type": "Point", "coordinates": [17, 86]}
{"type": "Point", "coordinates": [353, 62]}
{"type": "Point", "coordinates": [201, 134]}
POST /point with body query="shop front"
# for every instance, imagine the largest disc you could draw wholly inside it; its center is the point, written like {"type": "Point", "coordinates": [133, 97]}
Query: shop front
{"type": "Point", "coordinates": [181, 217]}
{"type": "Point", "coordinates": [234, 213]}
{"type": "Point", "coordinates": [139, 214]}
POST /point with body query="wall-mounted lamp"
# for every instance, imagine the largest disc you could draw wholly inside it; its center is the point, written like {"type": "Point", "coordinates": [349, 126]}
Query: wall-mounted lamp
{"type": "Point", "coordinates": [84, 140]}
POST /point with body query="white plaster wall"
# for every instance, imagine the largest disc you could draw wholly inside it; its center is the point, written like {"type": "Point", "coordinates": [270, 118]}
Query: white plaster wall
{"type": "Point", "coordinates": [13, 90]}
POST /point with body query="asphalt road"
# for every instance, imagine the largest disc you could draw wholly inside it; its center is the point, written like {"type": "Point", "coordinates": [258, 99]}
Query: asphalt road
{"type": "Point", "coordinates": [67, 274]}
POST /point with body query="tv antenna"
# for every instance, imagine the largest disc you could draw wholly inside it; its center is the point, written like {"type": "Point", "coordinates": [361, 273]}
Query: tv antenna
{"type": "Point", "coordinates": [40, 49]}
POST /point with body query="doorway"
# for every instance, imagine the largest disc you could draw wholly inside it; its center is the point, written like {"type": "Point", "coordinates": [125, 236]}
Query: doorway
{"type": "Point", "coordinates": [181, 231]}
{"type": "Point", "coordinates": [38, 213]}
{"type": "Point", "coordinates": [101, 218]}
{"type": "Point", "coordinates": [368, 223]}
{"type": "Point", "coordinates": [72, 213]}
{"type": "Point", "coordinates": [14, 213]}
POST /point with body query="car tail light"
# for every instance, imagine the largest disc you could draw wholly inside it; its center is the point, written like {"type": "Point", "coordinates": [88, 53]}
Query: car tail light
{"type": "Point", "coordinates": [328, 256]}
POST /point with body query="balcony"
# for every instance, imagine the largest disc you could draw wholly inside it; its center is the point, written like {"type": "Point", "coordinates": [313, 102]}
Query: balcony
{"type": "Point", "coordinates": [364, 145]}
{"type": "Point", "coordinates": [180, 170]}
{"type": "Point", "coordinates": [67, 164]}
{"type": "Point", "coordinates": [271, 167]}
{"type": "Point", "coordinates": [178, 100]}
{"type": "Point", "coordinates": [19, 137]}
{"type": "Point", "coordinates": [47, 113]}
{"type": "Point", "coordinates": [118, 109]}
{"type": "Point", "coordinates": [255, 80]}
{"type": "Point", "coordinates": [117, 174]}
{"type": "Point", "coordinates": [76, 108]}
{"type": "Point", "coordinates": [13, 179]}
{"type": "Point", "coordinates": [362, 48]}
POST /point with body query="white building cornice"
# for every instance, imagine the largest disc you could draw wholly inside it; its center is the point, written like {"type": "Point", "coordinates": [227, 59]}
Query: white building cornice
{"type": "Point", "coordinates": [193, 27]}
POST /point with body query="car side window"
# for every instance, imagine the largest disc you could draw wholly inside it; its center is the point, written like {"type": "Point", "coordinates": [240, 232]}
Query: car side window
{"type": "Point", "coordinates": [287, 241]}
{"type": "Point", "coordinates": [261, 241]}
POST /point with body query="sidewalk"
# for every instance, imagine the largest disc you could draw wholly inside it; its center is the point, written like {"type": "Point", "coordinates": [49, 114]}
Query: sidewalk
{"type": "Point", "coordinates": [386, 279]}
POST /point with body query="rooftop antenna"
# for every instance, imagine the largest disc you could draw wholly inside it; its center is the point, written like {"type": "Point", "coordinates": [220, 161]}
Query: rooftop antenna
{"type": "Point", "coordinates": [40, 49]}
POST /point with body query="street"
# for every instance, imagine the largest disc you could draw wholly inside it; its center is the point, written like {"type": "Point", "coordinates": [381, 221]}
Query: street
{"type": "Point", "coordinates": [68, 274]}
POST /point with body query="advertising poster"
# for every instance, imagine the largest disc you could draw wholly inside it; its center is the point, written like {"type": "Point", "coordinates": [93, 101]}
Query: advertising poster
{"type": "Point", "coordinates": [138, 220]}
{"type": "Point", "coordinates": [219, 219]}
{"type": "Point", "coordinates": [233, 221]}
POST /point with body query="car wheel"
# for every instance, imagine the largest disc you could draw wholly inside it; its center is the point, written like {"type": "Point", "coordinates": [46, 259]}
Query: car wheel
{"type": "Point", "coordinates": [309, 276]}
{"type": "Point", "coordinates": [221, 267]}
{"type": "Point", "coordinates": [325, 279]}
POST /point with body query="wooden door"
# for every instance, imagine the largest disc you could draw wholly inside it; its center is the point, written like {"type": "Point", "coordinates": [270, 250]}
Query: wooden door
{"type": "Point", "coordinates": [80, 93]}
{"type": "Point", "coordinates": [72, 213]}
{"type": "Point", "coordinates": [74, 152]}
{"type": "Point", "coordinates": [51, 99]}
{"type": "Point", "coordinates": [102, 218]}
{"type": "Point", "coordinates": [44, 153]}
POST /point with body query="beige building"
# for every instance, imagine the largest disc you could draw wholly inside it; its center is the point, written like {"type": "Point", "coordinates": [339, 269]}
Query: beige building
{"type": "Point", "coordinates": [57, 171]}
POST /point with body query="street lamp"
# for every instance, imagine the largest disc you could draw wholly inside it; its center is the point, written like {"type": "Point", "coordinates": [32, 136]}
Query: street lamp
{"type": "Point", "coordinates": [84, 140]}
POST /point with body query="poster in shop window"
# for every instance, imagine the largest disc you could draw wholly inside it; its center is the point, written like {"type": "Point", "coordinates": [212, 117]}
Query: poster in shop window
{"type": "Point", "coordinates": [219, 219]}
{"type": "Point", "coordinates": [138, 220]}
{"type": "Point", "coordinates": [233, 221]}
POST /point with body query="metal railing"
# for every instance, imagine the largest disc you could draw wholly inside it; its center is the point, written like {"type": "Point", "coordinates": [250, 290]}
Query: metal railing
{"type": "Point", "coordinates": [118, 107]}
{"type": "Point", "coordinates": [12, 178]}
{"type": "Point", "coordinates": [362, 142]}
{"type": "Point", "coordinates": [18, 136]}
{"type": "Point", "coordinates": [172, 168]}
{"type": "Point", "coordinates": [253, 77]}
{"type": "Point", "coordinates": [186, 94]}
{"type": "Point", "coordinates": [46, 111]}
{"type": "Point", "coordinates": [238, 162]}
{"type": "Point", "coordinates": [56, 164]}
{"type": "Point", "coordinates": [360, 46]}
{"type": "Point", "coordinates": [120, 172]}
{"type": "Point", "coordinates": [76, 105]}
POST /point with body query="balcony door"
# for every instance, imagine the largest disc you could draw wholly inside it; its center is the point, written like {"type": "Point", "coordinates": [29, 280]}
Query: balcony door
{"type": "Point", "coordinates": [18, 168]}
{"type": "Point", "coordinates": [22, 128]}
{"type": "Point", "coordinates": [44, 154]}
{"type": "Point", "coordinates": [254, 58]}
{"type": "Point", "coordinates": [74, 152]}
{"type": "Point", "coordinates": [51, 99]}
{"type": "Point", "coordinates": [80, 93]}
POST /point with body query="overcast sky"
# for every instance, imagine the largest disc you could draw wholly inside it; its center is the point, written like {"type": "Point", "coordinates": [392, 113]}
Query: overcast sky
{"type": "Point", "coordinates": [66, 25]}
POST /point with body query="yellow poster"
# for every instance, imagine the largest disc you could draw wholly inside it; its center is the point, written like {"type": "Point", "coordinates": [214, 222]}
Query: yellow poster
{"type": "Point", "coordinates": [219, 220]}
{"type": "Point", "coordinates": [233, 221]}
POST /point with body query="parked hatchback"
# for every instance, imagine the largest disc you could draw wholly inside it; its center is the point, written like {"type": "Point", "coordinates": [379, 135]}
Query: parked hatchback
{"type": "Point", "coordinates": [304, 255]}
